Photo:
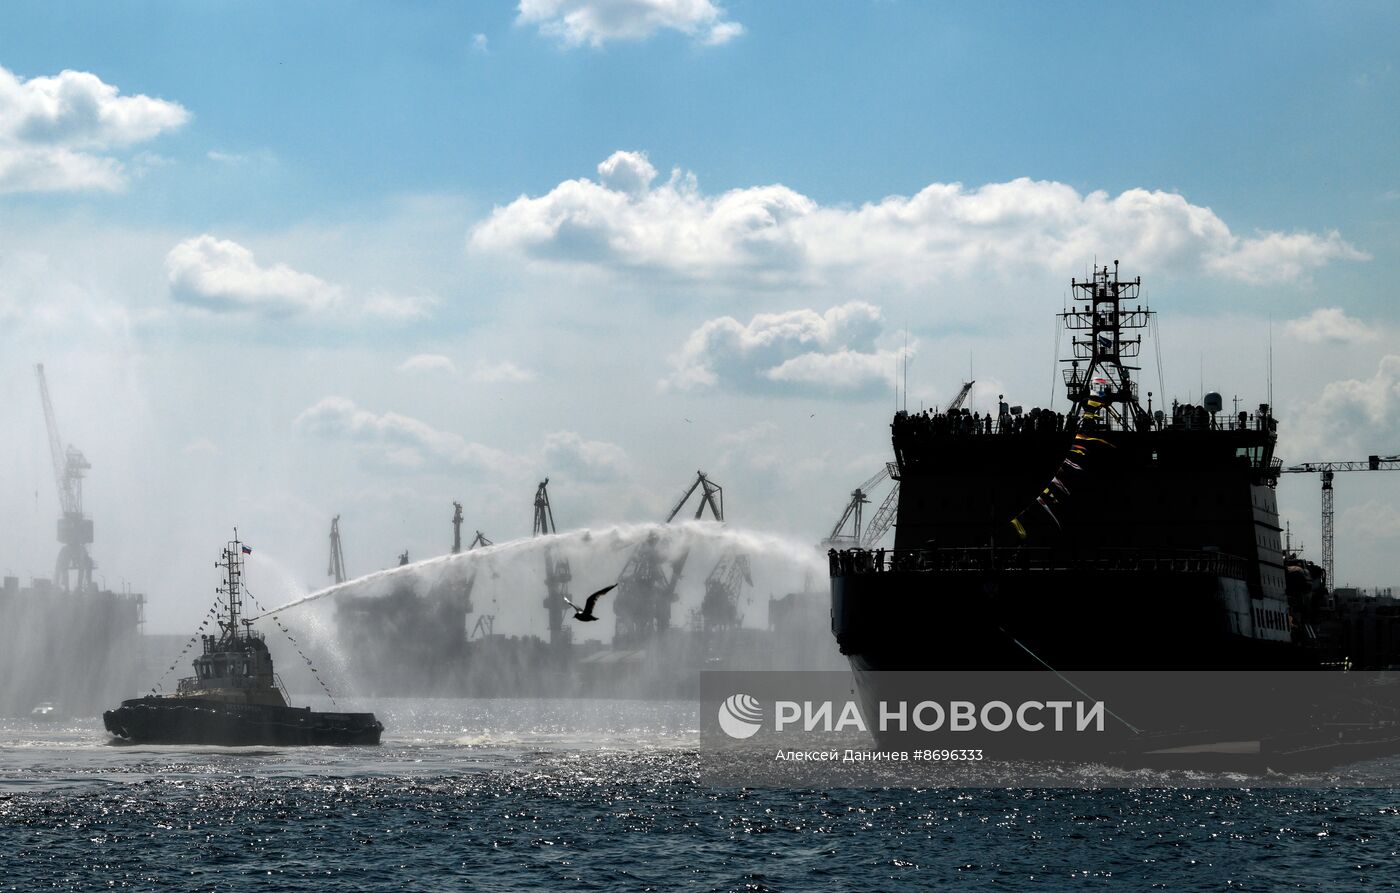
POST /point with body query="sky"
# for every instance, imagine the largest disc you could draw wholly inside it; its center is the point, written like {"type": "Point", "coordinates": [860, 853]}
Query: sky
{"type": "Point", "coordinates": [285, 261]}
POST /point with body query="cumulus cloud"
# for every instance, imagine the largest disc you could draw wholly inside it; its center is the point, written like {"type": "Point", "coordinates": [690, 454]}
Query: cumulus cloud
{"type": "Point", "coordinates": [627, 172]}
{"type": "Point", "coordinates": [503, 372]}
{"type": "Point", "coordinates": [833, 351]}
{"type": "Point", "coordinates": [223, 276]}
{"type": "Point", "coordinates": [396, 439]}
{"type": "Point", "coordinates": [1329, 324]}
{"type": "Point", "coordinates": [1371, 521]}
{"type": "Point", "coordinates": [409, 444]}
{"type": "Point", "coordinates": [239, 159]}
{"type": "Point", "coordinates": [428, 362]}
{"type": "Point", "coordinates": [627, 221]}
{"type": "Point", "coordinates": [56, 132]}
{"type": "Point", "coordinates": [1355, 417]}
{"type": "Point", "coordinates": [566, 452]}
{"type": "Point", "coordinates": [402, 308]}
{"type": "Point", "coordinates": [1282, 257]}
{"type": "Point", "coordinates": [595, 22]}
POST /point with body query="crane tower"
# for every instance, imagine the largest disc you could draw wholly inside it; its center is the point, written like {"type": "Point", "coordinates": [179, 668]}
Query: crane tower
{"type": "Point", "coordinates": [1328, 471]}
{"type": "Point", "coordinates": [646, 588]}
{"type": "Point", "coordinates": [336, 569]}
{"type": "Point", "coordinates": [556, 570]}
{"type": "Point", "coordinates": [74, 528]}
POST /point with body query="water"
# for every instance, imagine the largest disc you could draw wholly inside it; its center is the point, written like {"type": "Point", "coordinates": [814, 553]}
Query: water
{"type": "Point", "coordinates": [609, 795]}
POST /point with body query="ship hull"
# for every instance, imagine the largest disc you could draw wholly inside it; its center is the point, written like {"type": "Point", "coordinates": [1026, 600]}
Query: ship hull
{"type": "Point", "coordinates": [1126, 619]}
{"type": "Point", "coordinates": [155, 720]}
{"type": "Point", "coordinates": [1196, 683]}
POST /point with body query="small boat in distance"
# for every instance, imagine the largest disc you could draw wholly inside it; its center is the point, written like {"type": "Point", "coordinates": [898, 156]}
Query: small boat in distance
{"type": "Point", "coordinates": [235, 697]}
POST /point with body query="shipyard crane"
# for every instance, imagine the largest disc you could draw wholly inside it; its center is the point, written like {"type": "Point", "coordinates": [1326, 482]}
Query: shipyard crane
{"type": "Point", "coordinates": [1328, 471]}
{"type": "Point", "coordinates": [336, 569]}
{"type": "Point", "coordinates": [884, 518]}
{"type": "Point", "coordinates": [962, 396]}
{"type": "Point", "coordinates": [720, 607]}
{"type": "Point", "coordinates": [480, 540]}
{"type": "Point", "coordinates": [74, 529]}
{"type": "Point", "coordinates": [556, 570]}
{"type": "Point", "coordinates": [869, 535]}
{"type": "Point", "coordinates": [646, 588]}
{"type": "Point", "coordinates": [456, 527]}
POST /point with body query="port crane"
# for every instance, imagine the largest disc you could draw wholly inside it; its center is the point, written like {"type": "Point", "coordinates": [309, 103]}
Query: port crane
{"type": "Point", "coordinates": [557, 573]}
{"type": "Point", "coordinates": [720, 608]}
{"type": "Point", "coordinates": [336, 569]}
{"type": "Point", "coordinates": [962, 396]}
{"type": "Point", "coordinates": [1328, 471]}
{"type": "Point", "coordinates": [74, 528]}
{"type": "Point", "coordinates": [646, 588]}
{"type": "Point", "coordinates": [866, 537]}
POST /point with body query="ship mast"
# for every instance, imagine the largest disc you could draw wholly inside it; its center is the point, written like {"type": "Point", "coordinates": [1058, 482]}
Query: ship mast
{"type": "Point", "coordinates": [232, 589]}
{"type": "Point", "coordinates": [1099, 347]}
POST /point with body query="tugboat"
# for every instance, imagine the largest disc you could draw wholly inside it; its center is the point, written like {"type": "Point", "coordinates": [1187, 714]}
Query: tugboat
{"type": "Point", "coordinates": [235, 698]}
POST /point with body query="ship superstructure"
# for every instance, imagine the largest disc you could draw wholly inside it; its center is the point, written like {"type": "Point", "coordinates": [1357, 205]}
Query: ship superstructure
{"type": "Point", "coordinates": [1112, 534]}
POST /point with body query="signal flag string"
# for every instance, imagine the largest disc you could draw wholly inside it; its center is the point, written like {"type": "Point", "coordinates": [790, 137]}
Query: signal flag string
{"type": "Point", "coordinates": [314, 674]}
{"type": "Point", "coordinates": [208, 616]}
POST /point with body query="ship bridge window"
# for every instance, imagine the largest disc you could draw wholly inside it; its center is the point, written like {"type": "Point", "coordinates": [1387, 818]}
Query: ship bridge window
{"type": "Point", "coordinates": [1253, 454]}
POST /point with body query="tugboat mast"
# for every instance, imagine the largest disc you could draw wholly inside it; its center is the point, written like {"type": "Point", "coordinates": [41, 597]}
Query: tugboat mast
{"type": "Point", "coordinates": [1104, 377]}
{"type": "Point", "coordinates": [232, 564]}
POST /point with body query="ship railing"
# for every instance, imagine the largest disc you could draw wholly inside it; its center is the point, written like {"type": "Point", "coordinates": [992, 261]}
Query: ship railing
{"type": "Point", "coordinates": [934, 425]}
{"type": "Point", "coordinates": [1034, 559]}
{"type": "Point", "coordinates": [187, 685]}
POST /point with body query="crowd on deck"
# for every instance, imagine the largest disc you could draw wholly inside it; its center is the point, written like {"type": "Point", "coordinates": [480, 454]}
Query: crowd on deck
{"type": "Point", "coordinates": [1008, 420]}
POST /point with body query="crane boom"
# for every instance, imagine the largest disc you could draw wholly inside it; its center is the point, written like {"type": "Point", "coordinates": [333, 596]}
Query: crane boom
{"type": "Point", "coordinates": [60, 464]}
{"type": "Point", "coordinates": [852, 514]}
{"type": "Point", "coordinates": [962, 395]}
{"type": "Point", "coordinates": [711, 494]}
{"type": "Point", "coordinates": [1372, 463]}
{"type": "Point", "coordinates": [883, 520]}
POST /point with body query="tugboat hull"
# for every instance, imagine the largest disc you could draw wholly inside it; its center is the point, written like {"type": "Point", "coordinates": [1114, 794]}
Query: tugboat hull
{"type": "Point", "coordinates": [153, 720]}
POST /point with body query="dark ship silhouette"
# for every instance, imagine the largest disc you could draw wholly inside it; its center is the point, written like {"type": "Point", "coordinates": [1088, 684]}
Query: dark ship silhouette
{"type": "Point", "coordinates": [235, 697]}
{"type": "Point", "coordinates": [1110, 537]}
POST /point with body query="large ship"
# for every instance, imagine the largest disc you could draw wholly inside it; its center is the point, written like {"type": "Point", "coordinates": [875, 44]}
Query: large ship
{"type": "Point", "coordinates": [235, 697]}
{"type": "Point", "coordinates": [1112, 536]}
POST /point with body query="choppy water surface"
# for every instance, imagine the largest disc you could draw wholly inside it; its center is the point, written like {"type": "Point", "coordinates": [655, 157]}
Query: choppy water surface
{"type": "Point", "coordinates": [601, 795]}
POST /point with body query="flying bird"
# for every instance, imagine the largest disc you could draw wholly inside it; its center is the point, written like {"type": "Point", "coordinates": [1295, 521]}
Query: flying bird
{"type": "Point", "coordinates": [586, 612]}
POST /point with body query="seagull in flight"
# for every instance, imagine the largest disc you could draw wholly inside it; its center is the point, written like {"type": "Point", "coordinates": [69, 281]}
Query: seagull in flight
{"type": "Point", "coordinates": [586, 612]}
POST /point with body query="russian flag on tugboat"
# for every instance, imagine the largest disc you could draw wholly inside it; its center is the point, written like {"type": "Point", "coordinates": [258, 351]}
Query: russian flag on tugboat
{"type": "Point", "coordinates": [247, 551]}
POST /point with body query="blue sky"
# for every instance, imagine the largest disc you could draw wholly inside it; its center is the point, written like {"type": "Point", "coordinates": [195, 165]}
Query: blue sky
{"type": "Point", "coordinates": [313, 196]}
